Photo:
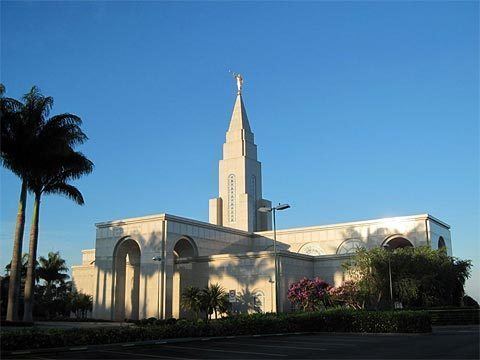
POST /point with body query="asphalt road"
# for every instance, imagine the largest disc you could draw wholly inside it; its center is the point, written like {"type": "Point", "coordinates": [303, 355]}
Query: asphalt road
{"type": "Point", "coordinates": [459, 342]}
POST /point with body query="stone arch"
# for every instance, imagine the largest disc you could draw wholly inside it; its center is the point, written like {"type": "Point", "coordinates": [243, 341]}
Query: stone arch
{"type": "Point", "coordinates": [311, 248]}
{"type": "Point", "coordinates": [185, 247]}
{"type": "Point", "coordinates": [441, 243]}
{"type": "Point", "coordinates": [397, 241]}
{"type": "Point", "coordinates": [126, 282]}
{"type": "Point", "coordinates": [350, 246]}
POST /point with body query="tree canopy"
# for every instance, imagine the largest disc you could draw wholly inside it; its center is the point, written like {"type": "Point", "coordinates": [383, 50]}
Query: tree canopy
{"type": "Point", "coordinates": [421, 276]}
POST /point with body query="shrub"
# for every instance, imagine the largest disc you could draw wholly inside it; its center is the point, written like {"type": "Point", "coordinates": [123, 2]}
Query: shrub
{"type": "Point", "coordinates": [341, 320]}
{"type": "Point", "coordinates": [348, 295]}
{"type": "Point", "coordinates": [310, 295]}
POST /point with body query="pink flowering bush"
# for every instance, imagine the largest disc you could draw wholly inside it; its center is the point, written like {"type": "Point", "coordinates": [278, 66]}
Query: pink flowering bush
{"type": "Point", "coordinates": [310, 295]}
{"type": "Point", "coordinates": [348, 295]}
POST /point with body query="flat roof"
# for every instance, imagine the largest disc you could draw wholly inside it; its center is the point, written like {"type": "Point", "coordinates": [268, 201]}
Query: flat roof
{"type": "Point", "coordinates": [165, 216]}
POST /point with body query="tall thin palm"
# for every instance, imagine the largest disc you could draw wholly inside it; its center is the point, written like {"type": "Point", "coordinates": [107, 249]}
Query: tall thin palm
{"type": "Point", "coordinates": [59, 170]}
{"type": "Point", "coordinates": [53, 163]}
{"type": "Point", "coordinates": [14, 145]}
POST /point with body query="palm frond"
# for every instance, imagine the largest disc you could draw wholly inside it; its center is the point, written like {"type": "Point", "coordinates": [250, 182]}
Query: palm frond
{"type": "Point", "coordinates": [66, 190]}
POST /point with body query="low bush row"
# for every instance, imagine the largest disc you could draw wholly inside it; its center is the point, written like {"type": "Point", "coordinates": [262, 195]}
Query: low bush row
{"type": "Point", "coordinates": [330, 320]}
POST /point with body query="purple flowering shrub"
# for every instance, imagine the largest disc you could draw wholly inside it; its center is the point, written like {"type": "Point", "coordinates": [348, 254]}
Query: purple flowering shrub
{"type": "Point", "coordinates": [348, 295]}
{"type": "Point", "coordinates": [310, 294]}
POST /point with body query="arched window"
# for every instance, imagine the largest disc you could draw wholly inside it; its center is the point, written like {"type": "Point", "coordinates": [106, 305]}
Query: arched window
{"type": "Point", "coordinates": [397, 242]}
{"type": "Point", "coordinates": [350, 246]}
{"type": "Point", "coordinates": [259, 302]}
{"type": "Point", "coordinates": [184, 248]}
{"type": "Point", "coordinates": [441, 243]}
{"type": "Point", "coordinates": [232, 194]}
{"type": "Point", "coordinates": [313, 249]}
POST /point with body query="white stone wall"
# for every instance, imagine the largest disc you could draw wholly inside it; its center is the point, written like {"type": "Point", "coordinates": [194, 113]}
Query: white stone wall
{"type": "Point", "coordinates": [148, 234]}
{"type": "Point", "coordinates": [327, 240]}
{"type": "Point", "coordinates": [438, 230]}
{"type": "Point", "coordinates": [209, 239]}
{"type": "Point", "coordinates": [83, 275]}
{"type": "Point", "coordinates": [83, 278]}
{"type": "Point", "coordinates": [248, 274]}
{"type": "Point", "coordinates": [291, 268]}
{"type": "Point", "coordinates": [234, 258]}
{"type": "Point", "coordinates": [329, 268]}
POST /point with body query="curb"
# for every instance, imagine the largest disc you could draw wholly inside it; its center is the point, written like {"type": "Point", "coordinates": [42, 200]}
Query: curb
{"type": "Point", "coordinates": [189, 339]}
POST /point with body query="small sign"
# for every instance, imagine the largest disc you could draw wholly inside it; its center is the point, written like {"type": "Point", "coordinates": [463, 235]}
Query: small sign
{"type": "Point", "coordinates": [232, 296]}
{"type": "Point", "coordinates": [398, 305]}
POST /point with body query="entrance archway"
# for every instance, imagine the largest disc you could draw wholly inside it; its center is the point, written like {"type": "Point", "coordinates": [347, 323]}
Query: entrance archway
{"type": "Point", "coordinates": [396, 242]}
{"type": "Point", "coordinates": [127, 280]}
{"type": "Point", "coordinates": [184, 248]}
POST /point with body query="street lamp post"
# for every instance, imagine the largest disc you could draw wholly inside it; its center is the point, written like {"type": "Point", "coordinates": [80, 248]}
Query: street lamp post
{"type": "Point", "coordinates": [273, 210]}
{"type": "Point", "coordinates": [159, 260]}
{"type": "Point", "coordinates": [388, 248]}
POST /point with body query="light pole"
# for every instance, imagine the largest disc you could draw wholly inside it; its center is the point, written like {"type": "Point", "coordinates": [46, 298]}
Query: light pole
{"type": "Point", "coordinates": [388, 248]}
{"type": "Point", "coordinates": [159, 260]}
{"type": "Point", "coordinates": [273, 210]}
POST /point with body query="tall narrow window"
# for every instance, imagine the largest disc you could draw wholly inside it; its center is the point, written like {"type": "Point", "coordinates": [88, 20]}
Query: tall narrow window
{"type": "Point", "coordinates": [232, 194]}
{"type": "Point", "coordinates": [253, 193]}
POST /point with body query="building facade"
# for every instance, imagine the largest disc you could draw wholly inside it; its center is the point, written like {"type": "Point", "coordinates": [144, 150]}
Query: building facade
{"type": "Point", "coordinates": [140, 266]}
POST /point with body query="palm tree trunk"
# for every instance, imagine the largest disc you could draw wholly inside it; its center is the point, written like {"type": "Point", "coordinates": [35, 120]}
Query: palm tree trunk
{"type": "Point", "coordinates": [16, 264]}
{"type": "Point", "coordinates": [32, 259]}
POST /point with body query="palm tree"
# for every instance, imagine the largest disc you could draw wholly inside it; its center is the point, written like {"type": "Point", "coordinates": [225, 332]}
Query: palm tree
{"type": "Point", "coordinates": [54, 178]}
{"type": "Point", "coordinates": [212, 299]}
{"type": "Point", "coordinates": [52, 269]}
{"type": "Point", "coordinates": [23, 271]}
{"type": "Point", "coordinates": [27, 139]}
{"type": "Point", "coordinates": [49, 163]}
{"type": "Point", "coordinates": [190, 300]}
{"type": "Point", "coordinates": [14, 145]}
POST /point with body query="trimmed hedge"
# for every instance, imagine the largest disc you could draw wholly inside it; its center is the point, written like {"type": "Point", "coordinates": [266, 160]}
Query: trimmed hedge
{"type": "Point", "coordinates": [339, 320]}
{"type": "Point", "coordinates": [459, 316]}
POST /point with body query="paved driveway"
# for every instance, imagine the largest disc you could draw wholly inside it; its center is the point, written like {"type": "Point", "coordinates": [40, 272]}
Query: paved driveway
{"type": "Point", "coordinates": [461, 342]}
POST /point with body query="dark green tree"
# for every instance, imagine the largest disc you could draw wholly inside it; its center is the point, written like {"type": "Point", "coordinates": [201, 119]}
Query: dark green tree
{"type": "Point", "coordinates": [212, 300]}
{"type": "Point", "coordinates": [52, 269]}
{"type": "Point", "coordinates": [421, 277]}
{"type": "Point", "coordinates": [191, 300]}
{"type": "Point", "coordinates": [81, 303]}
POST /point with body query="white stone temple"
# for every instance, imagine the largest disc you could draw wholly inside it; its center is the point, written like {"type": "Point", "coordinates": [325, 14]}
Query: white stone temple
{"type": "Point", "coordinates": [140, 266]}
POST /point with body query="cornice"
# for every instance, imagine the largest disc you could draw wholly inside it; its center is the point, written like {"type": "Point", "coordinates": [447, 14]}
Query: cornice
{"type": "Point", "coordinates": [352, 224]}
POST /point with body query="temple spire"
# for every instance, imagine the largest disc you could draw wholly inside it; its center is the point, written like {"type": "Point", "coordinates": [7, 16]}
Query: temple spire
{"type": "Point", "coordinates": [239, 176]}
{"type": "Point", "coordinates": [239, 119]}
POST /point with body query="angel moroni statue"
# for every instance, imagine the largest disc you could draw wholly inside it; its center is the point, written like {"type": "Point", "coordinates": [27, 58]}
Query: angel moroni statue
{"type": "Point", "coordinates": [239, 79]}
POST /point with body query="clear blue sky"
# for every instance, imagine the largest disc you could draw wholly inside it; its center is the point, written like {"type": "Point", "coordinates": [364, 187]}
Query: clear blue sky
{"type": "Point", "coordinates": [360, 109]}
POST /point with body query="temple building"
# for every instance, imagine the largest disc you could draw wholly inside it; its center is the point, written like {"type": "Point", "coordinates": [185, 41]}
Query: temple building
{"type": "Point", "coordinates": [141, 265]}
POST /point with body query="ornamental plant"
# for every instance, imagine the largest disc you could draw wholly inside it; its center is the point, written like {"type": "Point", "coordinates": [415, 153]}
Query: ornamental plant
{"type": "Point", "coordinates": [347, 295]}
{"type": "Point", "coordinates": [310, 294]}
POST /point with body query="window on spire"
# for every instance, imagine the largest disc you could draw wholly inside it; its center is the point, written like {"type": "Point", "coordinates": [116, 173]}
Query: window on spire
{"type": "Point", "coordinates": [232, 194]}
